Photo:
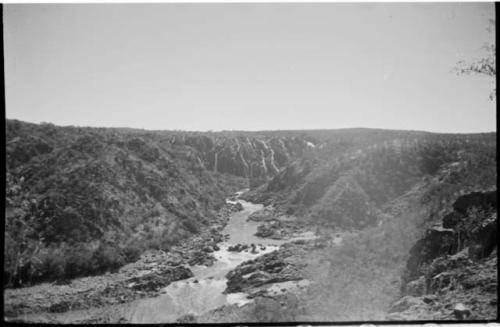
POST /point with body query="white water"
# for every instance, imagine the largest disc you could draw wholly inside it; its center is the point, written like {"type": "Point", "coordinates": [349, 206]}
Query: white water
{"type": "Point", "coordinates": [196, 295]}
{"type": "Point", "coordinates": [204, 291]}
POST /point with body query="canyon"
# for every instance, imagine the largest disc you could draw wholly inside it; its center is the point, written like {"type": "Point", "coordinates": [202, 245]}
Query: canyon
{"type": "Point", "coordinates": [113, 225]}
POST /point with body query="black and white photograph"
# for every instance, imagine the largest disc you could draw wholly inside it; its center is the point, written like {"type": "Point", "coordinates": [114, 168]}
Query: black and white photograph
{"type": "Point", "coordinates": [293, 162]}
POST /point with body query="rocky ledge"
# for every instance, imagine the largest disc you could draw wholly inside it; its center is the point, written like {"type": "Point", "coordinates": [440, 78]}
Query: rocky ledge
{"type": "Point", "coordinates": [266, 214]}
{"type": "Point", "coordinates": [466, 292]}
{"type": "Point", "coordinates": [269, 268]}
{"type": "Point", "coordinates": [452, 270]}
{"type": "Point", "coordinates": [278, 230]}
{"type": "Point", "coordinates": [276, 225]}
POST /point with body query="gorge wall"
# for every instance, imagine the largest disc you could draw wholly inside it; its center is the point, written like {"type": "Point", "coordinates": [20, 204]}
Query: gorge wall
{"type": "Point", "coordinates": [255, 157]}
{"type": "Point", "coordinates": [85, 200]}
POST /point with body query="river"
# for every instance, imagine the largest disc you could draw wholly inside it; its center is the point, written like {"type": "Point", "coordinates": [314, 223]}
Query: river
{"type": "Point", "coordinates": [199, 294]}
{"type": "Point", "coordinates": [204, 291]}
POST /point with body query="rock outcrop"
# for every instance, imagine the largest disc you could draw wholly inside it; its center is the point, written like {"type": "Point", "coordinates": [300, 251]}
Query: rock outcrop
{"type": "Point", "coordinates": [472, 224]}
{"type": "Point", "coordinates": [266, 214]}
{"type": "Point", "coordinates": [454, 267]}
{"type": "Point", "coordinates": [267, 269]}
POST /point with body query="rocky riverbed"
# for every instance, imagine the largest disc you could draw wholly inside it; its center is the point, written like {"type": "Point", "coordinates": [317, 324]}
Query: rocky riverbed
{"type": "Point", "coordinates": [227, 267]}
{"type": "Point", "coordinates": [210, 288]}
{"type": "Point", "coordinates": [144, 278]}
{"type": "Point", "coordinates": [279, 226]}
{"type": "Point", "coordinates": [267, 269]}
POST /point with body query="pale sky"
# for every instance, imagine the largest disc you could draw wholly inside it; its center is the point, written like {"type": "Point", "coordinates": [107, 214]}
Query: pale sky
{"type": "Point", "coordinates": [249, 66]}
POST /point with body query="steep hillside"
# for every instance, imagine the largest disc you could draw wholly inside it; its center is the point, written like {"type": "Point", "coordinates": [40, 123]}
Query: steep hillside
{"type": "Point", "coordinates": [85, 200]}
{"type": "Point", "coordinates": [344, 184]}
{"type": "Point", "coordinates": [386, 192]}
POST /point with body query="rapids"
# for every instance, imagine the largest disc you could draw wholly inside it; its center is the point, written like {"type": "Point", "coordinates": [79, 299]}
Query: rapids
{"type": "Point", "coordinates": [204, 291]}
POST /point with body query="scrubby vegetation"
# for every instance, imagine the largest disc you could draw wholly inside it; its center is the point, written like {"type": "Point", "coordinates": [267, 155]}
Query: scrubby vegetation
{"type": "Point", "coordinates": [84, 201]}
{"type": "Point", "coordinates": [346, 182]}
{"type": "Point", "coordinates": [386, 191]}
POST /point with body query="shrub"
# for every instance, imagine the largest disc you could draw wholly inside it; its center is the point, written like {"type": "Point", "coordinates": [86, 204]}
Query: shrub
{"type": "Point", "coordinates": [107, 258]}
{"type": "Point", "coordinates": [132, 253]}
{"type": "Point", "coordinates": [53, 264]}
{"type": "Point", "coordinates": [78, 262]}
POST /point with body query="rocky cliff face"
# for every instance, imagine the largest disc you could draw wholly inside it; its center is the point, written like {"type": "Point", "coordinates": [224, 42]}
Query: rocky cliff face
{"type": "Point", "coordinates": [257, 158]}
{"type": "Point", "coordinates": [454, 265]}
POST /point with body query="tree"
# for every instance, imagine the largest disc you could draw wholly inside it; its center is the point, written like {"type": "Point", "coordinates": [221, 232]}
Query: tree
{"type": "Point", "coordinates": [483, 66]}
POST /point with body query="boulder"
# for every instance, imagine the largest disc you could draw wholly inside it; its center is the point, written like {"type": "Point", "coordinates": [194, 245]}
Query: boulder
{"type": "Point", "coordinates": [208, 249]}
{"type": "Point", "coordinates": [265, 230]}
{"type": "Point", "coordinates": [238, 206]}
{"type": "Point", "coordinates": [461, 312]}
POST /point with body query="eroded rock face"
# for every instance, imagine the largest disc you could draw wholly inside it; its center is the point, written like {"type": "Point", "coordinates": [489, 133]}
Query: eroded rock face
{"type": "Point", "coordinates": [462, 228]}
{"type": "Point", "coordinates": [256, 158]}
{"type": "Point", "coordinates": [474, 284]}
{"type": "Point", "coordinates": [437, 241]}
{"type": "Point", "coordinates": [458, 262]}
{"type": "Point", "coordinates": [290, 176]}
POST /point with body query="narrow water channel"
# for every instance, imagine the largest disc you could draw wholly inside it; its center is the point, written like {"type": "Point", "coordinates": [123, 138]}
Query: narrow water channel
{"type": "Point", "coordinates": [204, 291]}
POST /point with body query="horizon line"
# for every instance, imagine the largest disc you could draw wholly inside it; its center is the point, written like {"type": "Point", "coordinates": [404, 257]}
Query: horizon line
{"type": "Point", "coordinates": [250, 131]}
